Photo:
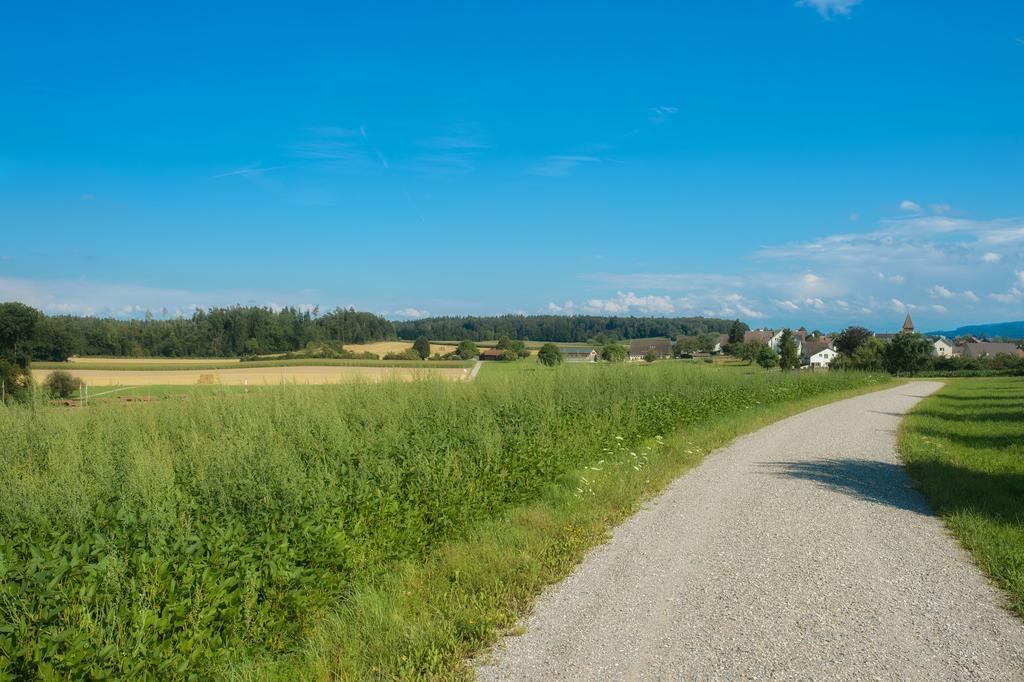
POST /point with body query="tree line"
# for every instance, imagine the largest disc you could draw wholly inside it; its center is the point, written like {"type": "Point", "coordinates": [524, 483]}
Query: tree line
{"type": "Point", "coordinates": [236, 331]}
{"type": "Point", "coordinates": [560, 328]}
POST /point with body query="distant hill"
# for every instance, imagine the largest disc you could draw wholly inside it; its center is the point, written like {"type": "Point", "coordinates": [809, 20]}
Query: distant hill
{"type": "Point", "coordinates": [1009, 330]}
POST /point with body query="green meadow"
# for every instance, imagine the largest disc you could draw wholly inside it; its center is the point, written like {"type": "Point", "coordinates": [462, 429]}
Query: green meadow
{"type": "Point", "coordinates": [363, 530]}
{"type": "Point", "coordinates": [964, 448]}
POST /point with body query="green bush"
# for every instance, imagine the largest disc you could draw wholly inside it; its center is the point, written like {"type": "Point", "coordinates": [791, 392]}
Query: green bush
{"type": "Point", "coordinates": [16, 383]}
{"type": "Point", "coordinates": [61, 384]}
{"type": "Point", "coordinates": [549, 355]}
{"type": "Point", "coordinates": [191, 537]}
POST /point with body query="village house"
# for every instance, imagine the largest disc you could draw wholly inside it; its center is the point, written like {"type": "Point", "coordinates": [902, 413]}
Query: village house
{"type": "Point", "coordinates": [942, 347]}
{"type": "Point", "coordinates": [773, 339]}
{"type": "Point", "coordinates": [988, 349]}
{"type": "Point", "coordinates": [491, 354]}
{"type": "Point", "coordinates": [578, 354]}
{"type": "Point", "coordinates": [818, 354]}
{"type": "Point", "coordinates": [638, 348]}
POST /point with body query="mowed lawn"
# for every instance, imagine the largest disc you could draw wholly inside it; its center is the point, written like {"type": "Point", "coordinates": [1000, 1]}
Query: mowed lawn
{"type": "Point", "coordinates": [964, 447]}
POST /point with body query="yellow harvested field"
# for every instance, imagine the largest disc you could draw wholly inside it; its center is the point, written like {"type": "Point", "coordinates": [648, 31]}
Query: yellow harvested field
{"type": "Point", "coordinates": [382, 347]}
{"type": "Point", "coordinates": [148, 361]}
{"type": "Point", "coordinates": [256, 376]}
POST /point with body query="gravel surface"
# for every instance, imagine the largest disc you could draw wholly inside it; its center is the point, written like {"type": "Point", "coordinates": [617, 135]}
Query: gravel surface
{"type": "Point", "coordinates": [801, 551]}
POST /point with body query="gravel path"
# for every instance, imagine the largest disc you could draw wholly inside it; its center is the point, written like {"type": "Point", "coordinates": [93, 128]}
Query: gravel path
{"type": "Point", "coordinates": [798, 552]}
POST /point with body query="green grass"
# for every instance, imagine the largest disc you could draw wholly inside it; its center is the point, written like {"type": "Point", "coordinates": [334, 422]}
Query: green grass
{"type": "Point", "coordinates": [113, 365]}
{"type": "Point", "coordinates": [964, 448]}
{"type": "Point", "coordinates": [351, 531]}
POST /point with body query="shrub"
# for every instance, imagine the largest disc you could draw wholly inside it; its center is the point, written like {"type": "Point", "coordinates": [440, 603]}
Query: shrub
{"type": "Point", "coordinates": [17, 383]}
{"type": "Point", "coordinates": [650, 356]}
{"type": "Point", "coordinates": [467, 350]}
{"type": "Point", "coordinates": [549, 355]}
{"type": "Point", "coordinates": [614, 352]}
{"type": "Point", "coordinates": [407, 354]}
{"type": "Point", "coordinates": [61, 384]}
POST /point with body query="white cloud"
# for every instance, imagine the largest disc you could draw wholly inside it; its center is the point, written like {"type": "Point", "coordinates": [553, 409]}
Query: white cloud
{"type": "Point", "coordinates": [971, 296]}
{"type": "Point", "coordinates": [991, 257]}
{"type": "Point", "coordinates": [830, 8]}
{"type": "Point", "coordinates": [898, 305]}
{"type": "Point", "coordinates": [560, 166]}
{"type": "Point", "coordinates": [940, 208]}
{"type": "Point", "coordinates": [1020, 277]}
{"type": "Point", "coordinates": [624, 303]}
{"type": "Point", "coordinates": [566, 307]}
{"type": "Point", "coordinates": [940, 291]}
{"type": "Point", "coordinates": [815, 303]}
{"type": "Point", "coordinates": [1011, 296]}
{"type": "Point", "coordinates": [908, 205]}
{"type": "Point", "coordinates": [411, 313]}
{"type": "Point", "coordinates": [939, 308]}
{"type": "Point", "coordinates": [787, 305]}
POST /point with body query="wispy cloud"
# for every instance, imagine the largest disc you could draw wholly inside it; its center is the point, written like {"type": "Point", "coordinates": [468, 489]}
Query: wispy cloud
{"type": "Point", "coordinates": [560, 166]}
{"type": "Point", "coordinates": [830, 8]}
{"type": "Point", "coordinates": [249, 172]}
{"type": "Point", "coordinates": [661, 114]}
{"type": "Point", "coordinates": [380, 156]}
{"type": "Point", "coordinates": [908, 205]}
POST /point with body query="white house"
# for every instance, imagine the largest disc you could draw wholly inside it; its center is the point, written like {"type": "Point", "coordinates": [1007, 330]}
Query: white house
{"type": "Point", "coordinates": [772, 339]}
{"type": "Point", "coordinates": [818, 355]}
{"type": "Point", "coordinates": [942, 348]}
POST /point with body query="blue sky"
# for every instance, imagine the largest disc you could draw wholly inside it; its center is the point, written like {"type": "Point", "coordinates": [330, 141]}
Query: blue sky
{"type": "Point", "coordinates": [823, 163]}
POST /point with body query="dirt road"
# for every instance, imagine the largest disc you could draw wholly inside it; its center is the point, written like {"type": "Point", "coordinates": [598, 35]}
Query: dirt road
{"type": "Point", "coordinates": [799, 552]}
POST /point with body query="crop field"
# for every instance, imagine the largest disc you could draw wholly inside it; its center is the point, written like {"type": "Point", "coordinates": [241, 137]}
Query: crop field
{"type": "Point", "coordinates": [382, 347]}
{"type": "Point", "coordinates": [255, 374]}
{"type": "Point", "coordinates": [964, 448]}
{"type": "Point", "coordinates": [361, 531]}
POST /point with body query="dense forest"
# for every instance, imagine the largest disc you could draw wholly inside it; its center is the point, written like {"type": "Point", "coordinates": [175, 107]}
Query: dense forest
{"type": "Point", "coordinates": [561, 328]}
{"type": "Point", "coordinates": [218, 332]}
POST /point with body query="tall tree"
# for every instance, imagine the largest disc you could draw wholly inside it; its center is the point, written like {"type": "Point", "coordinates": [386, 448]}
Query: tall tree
{"type": "Point", "coordinates": [848, 340]}
{"type": "Point", "coordinates": [422, 347]}
{"type": "Point", "coordinates": [736, 332]}
{"type": "Point", "coordinates": [789, 355]}
{"type": "Point", "coordinates": [908, 353]}
{"type": "Point", "coordinates": [17, 332]}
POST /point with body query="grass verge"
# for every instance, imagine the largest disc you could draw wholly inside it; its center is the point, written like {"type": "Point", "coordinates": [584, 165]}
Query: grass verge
{"type": "Point", "coordinates": [428, 618]}
{"type": "Point", "coordinates": [964, 448]}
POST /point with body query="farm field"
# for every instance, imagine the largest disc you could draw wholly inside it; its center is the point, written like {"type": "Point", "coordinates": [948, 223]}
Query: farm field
{"type": "Point", "coordinates": [964, 448]}
{"type": "Point", "coordinates": [256, 374]}
{"type": "Point", "coordinates": [370, 530]}
{"type": "Point", "coordinates": [382, 347]}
